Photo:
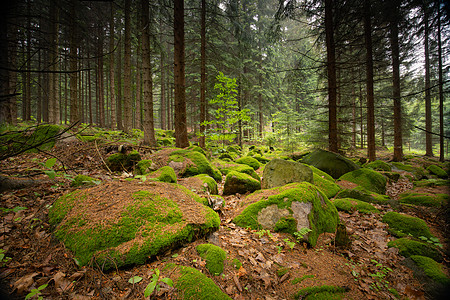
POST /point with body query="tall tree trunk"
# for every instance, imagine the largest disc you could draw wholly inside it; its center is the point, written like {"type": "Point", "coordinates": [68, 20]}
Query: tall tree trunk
{"type": "Point", "coordinates": [4, 61]}
{"type": "Point", "coordinates": [127, 71]}
{"type": "Point", "coordinates": [137, 115]}
{"type": "Point", "coordinates": [181, 138]}
{"type": "Point", "coordinates": [91, 120]}
{"type": "Point", "coordinates": [331, 70]}
{"type": "Point", "coordinates": [27, 111]}
{"type": "Point", "coordinates": [441, 91]}
{"type": "Point", "coordinates": [398, 139]}
{"type": "Point", "coordinates": [428, 119]}
{"type": "Point", "coordinates": [74, 109]}
{"type": "Point", "coordinates": [163, 105]}
{"type": "Point", "coordinates": [53, 80]}
{"type": "Point", "coordinates": [119, 87]}
{"type": "Point", "coordinates": [203, 75]}
{"type": "Point", "coordinates": [101, 82]}
{"type": "Point", "coordinates": [149, 127]}
{"type": "Point", "coordinates": [12, 76]}
{"type": "Point", "coordinates": [112, 93]}
{"type": "Point", "coordinates": [369, 83]}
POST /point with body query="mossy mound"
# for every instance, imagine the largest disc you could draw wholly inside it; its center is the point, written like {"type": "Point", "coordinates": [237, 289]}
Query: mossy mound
{"type": "Point", "coordinates": [249, 161]}
{"type": "Point", "coordinates": [121, 162]}
{"type": "Point", "coordinates": [392, 176]}
{"type": "Point", "coordinates": [83, 180]}
{"type": "Point", "coordinates": [210, 182]}
{"type": "Point", "coordinates": [378, 165]}
{"type": "Point", "coordinates": [417, 172]}
{"type": "Point", "coordinates": [116, 225]}
{"type": "Point", "coordinates": [214, 257]}
{"type": "Point", "coordinates": [191, 284]}
{"type": "Point", "coordinates": [321, 173]}
{"type": "Point", "coordinates": [198, 149]}
{"type": "Point", "coordinates": [164, 174]}
{"type": "Point", "coordinates": [362, 194]}
{"type": "Point", "coordinates": [236, 182]}
{"type": "Point", "coordinates": [195, 163]}
{"type": "Point", "coordinates": [367, 178]}
{"type": "Point", "coordinates": [408, 247]}
{"type": "Point", "coordinates": [143, 167]}
{"type": "Point", "coordinates": [421, 199]}
{"type": "Point", "coordinates": [325, 292]}
{"type": "Point", "coordinates": [438, 171]}
{"type": "Point", "coordinates": [431, 268]}
{"type": "Point", "coordinates": [166, 141]}
{"type": "Point", "coordinates": [331, 163]}
{"type": "Point", "coordinates": [234, 148]}
{"type": "Point", "coordinates": [432, 182]}
{"type": "Point", "coordinates": [402, 225]}
{"type": "Point", "coordinates": [227, 156]}
{"type": "Point", "coordinates": [350, 205]}
{"type": "Point", "coordinates": [302, 201]}
{"type": "Point", "coordinates": [279, 172]}
{"type": "Point", "coordinates": [225, 167]}
{"type": "Point", "coordinates": [329, 188]}
{"type": "Point", "coordinates": [260, 158]}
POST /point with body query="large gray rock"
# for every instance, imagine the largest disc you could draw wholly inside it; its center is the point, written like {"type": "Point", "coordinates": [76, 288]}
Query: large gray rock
{"type": "Point", "coordinates": [279, 172]}
{"type": "Point", "coordinates": [331, 163]}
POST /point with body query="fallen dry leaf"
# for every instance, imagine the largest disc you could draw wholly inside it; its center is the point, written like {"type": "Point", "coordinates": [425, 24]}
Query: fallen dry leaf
{"type": "Point", "coordinates": [24, 283]}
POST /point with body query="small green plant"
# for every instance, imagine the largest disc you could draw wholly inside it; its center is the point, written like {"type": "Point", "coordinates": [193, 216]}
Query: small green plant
{"type": "Point", "coordinates": [143, 178]}
{"type": "Point", "coordinates": [432, 240]}
{"type": "Point", "coordinates": [3, 258]}
{"type": "Point", "coordinates": [380, 276]}
{"type": "Point", "coordinates": [154, 283]}
{"type": "Point", "coordinates": [49, 163]}
{"type": "Point", "coordinates": [15, 209]}
{"type": "Point", "coordinates": [36, 292]}
{"type": "Point", "coordinates": [289, 243]}
{"type": "Point", "coordinates": [262, 232]}
{"type": "Point", "coordinates": [299, 235]}
{"type": "Point", "coordinates": [279, 249]}
{"type": "Point", "coordinates": [135, 279]}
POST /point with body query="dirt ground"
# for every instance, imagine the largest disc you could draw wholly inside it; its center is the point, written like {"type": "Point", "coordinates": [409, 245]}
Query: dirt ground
{"type": "Point", "coordinates": [33, 257]}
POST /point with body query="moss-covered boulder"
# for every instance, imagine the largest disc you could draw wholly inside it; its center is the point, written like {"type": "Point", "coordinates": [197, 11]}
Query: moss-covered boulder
{"type": "Point", "coordinates": [417, 172]}
{"type": "Point", "coordinates": [331, 163]}
{"type": "Point", "coordinates": [83, 180]}
{"type": "Point", "coordinates": [164, 174]}
{"type": "Point", "coordinates": [321, 173]}
{"type": "Point", "coordinates": [378, 165]}
{"type": "Point", "coordinates": [279, 172]}
{"type": "Point", "coordinates": [438, 171]}
{"type": "Point", "coordinates": [408, 247]}
{"type": "Point", "coordinates": [329, 188]}
{"type": "Point", "coordinates": [249, 161]}
{"type": "Point", "coordinates": [144, 167]}
{"type": "Point", "coordinates": [367, 178]}
{"type": "Point", "coordinates": [236, 182]}
{"type": "Point", "coordinates": [431, 182]}
{"type": "Point", "coordinates": [194, 163]}
{"type": "Point", "coordinates": [431, 268]}
{"type": "Point", "coordinates": [350, 205]}
{"type": "Point", "coordinates": [422, 199]}
{"type": "Point", "coordinates": [363, 194]}
{"type": "Point", "coordinates": [225, 167]}
{"type": "Point", "coordinates": [261, 159]}
{"type": "Point", "coordinates": [214, 257]}
{"type": "Point", "coordinates": [328, 292]}
{"type": "Point", "coordinates": [117, 225]}
{"type": "Point", "coordinates": [303, 202]}
{"type": "Point", "coordinates": [121, 161]}
{"type": "Point", "coordinates": [402, 225]}
{"type": "Point", "coordinates": [210, 183]}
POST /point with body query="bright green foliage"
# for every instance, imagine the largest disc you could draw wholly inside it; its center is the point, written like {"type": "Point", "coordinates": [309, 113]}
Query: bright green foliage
{"type": "Point", "coordinates": [431, 268]}
{"type": "Point", "coordinates": [329, 188]}
{"type": "Point", "coordinates": [211, 183]}
{"type": "Point", "coordinates": [143, 167]}
{"type": "Point", "coordinates": [236, 182]}
{"type": "Point", "coordinates": [286, 128]}
{"type": "Point", "coordinates": [260, 158]}
{"type": "Point", "coordinates": [322, 218]}
{"type": "Point", "coordinates": [227, 113]}
{"type": "Point", "coordinates": [321, 292]}
{"type": "Point", "coordinates": [249, 161]}
{"type": "Point", "coordinates": [350, 205]}
{"type": "Point", "coordinates": [165, 174]}
{"type": "Point", "coordinates": [321, 173]}
{"type": "Point", "coordinates": [226, 167]}
{"type": "Point", "coordinates": [214, 257]}
{"type": "Point", "coordinates": [424, 199]}
{"type": "Point", "coordinates": [363, 194]}
{"type": "Point", "coordinates": [367, 178]}
{"type": "Point", "coordinates": [236, 263]}
{"type": "Point", "coordinates": [85, 180]}
{"type": "Point", "coordinates": [408, 247]}
{"type": "Point", "coordinates": [199, 149]}
{"type": "Point", "coordinates": [436, 170]}
{"type": "Point", "coordinates": [234, 148]}
{"type": "Point", "coordinates": [193, 285]}
{"type": "Point", "coordinates": [378, 165]}
{"type": "Point", "coordinates": [198, 164]}
{"type": "Point", "coordinates": [402, 225]}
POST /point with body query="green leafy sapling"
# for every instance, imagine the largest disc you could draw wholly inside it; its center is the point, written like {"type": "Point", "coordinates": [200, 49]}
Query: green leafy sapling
{"type": "Point", "coordinates": [36, 292]}
{"type": "Point", "coordinates": [154, 283]}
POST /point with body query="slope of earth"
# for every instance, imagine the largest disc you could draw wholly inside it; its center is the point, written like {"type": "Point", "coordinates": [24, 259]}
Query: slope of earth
{"type": "Point", "coordinates": [259, 264]}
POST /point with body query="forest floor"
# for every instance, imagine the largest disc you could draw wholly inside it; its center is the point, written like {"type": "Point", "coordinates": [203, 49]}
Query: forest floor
{"type": "Point", "coordinates": [33, 257]}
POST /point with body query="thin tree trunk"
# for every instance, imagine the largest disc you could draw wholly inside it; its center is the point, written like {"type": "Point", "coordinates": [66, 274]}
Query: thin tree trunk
{"type": "Point", "coordinates": [127, 71]}
{"type": "Point", "coordinates": [181, 138]}
{"type": "Point", "coordinates": [441, 92]}
{"type": "Point", "coordinates": [89, 91]}
{"type": "Point", "coordinates": [27, 111]}
{"type": "Point", "coordinates": [112, 93]}
{"type": "Point", "coordinates": [369, 83]}
{"type": "Point", "coordinates": [74, 111]}
{"type": "Point", "coordinates": [101, 82]}
{"type": "Point", "coordinates": [119, 88]}
{"type": "Point", "coordinates": [203, 75]}
{"type": "Point", "coordinates": [138, 117]}
{"type": "Point", "coordinates": [428, 119]}
{"type": "Point", "coordinates": [163, 105]}
{"type": "Point", "coordinates": [149, 127]}
{"type": "Point", "coordinates": [353, 117]}
{"type": "Point", "coordinates": [331, 70]}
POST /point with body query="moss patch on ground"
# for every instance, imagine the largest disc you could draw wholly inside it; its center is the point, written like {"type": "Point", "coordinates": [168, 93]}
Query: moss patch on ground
{"type": "Point", "coordinates": [378, 165]}
{"type": "Point", "coordinates": [321, 292]}
{"type": "Point", "coordinates": [431, 268]}
{"type": "Point", "coordinates": [214, 257]}
{"type": "Point", "coordinates": [431, 182]}
{"type": "Point", "coordinates": [165, 174]}
{"type": "Point", "coordinates": [408, 247]}
{"type": "Point", "coordinates": [363, 194]}
{"type": "Point", "coordinates": [322, 218]}
{"type": "Point", "coordinates": [329, 188]}
{"type": "Point", "coordinates": [226, 167]}
{"type": "Point", "coordinates": [120, 161]}
{"type": "Point", "coordinates": [210, 182]}
{"type": "Point", "coordinates": [249, 161]}
{"type": "Point", "coordinates": [367, 178]}
{"type": "Point", "coordinates": [143, 167]}
{"type": "Point", "coordinates": [236, 182]}
{"type": "Point", "coordinates": [197, 164]}
{"type": "Point", "coordinates": [350, 205]}
{"type": "Point", "coordinates": [402, 225]}
{"type": "Point", "coordinates": [438, 171]}
{"type": "Point", "coordinates": [421, 199]}
{"type": "Point", "coordinates": [83, 180]}
{"type": "Point", "coordinates": [417, 172]}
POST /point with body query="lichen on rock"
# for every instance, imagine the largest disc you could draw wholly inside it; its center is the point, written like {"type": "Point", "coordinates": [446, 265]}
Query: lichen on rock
{"type": "Point", "coordinates": [279, 172]}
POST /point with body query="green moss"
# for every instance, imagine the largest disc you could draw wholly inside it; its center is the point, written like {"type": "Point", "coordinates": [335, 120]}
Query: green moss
{"type": "Point", "coordinates": [236, 182]}
{"type": "Point", "coordinates": [194, 196]}
{"type": "Point", "coordinates": [62, 206]}
{"type": "Point", "coordinates": [143, 167]}
{"type": "Point", "coordinates": [392, 176]}
{"type": "Point", "coordinates": [225, 167]}
{"type": "Point", "coordinates": [82, 180]}
{"type": "Point", "coordinates": [367, 178]}
{"type": "Point", "coordinates": [313, 292]}
{"type": "Point", "coordinates": [333, 164]}
{"type": "Point", "coordinates": [350, 205]}
{"type": "Point", "coordinates": [286, 224]}
{"type": "Point", "coordinates": [236, 263]}
{"type": "Point", "coordinates": [199, 149]}
{"type": "Point", "coordinates": [193, 285]}
{"type": "Point", "coordinates": [214, 257]}
{"type": "Point", "coordinates": [120, 161]}
{"type": "Point", "coordinates": [168, 141]}
{"type": "Point", "coordinates": [234, 148]}
{"type": "Point", "coordinates": [432, 182]}
{"type": "Point", "coordinates": [281, 271]}
{"type": "Point", "coordinates": [44, 133]}
{"type": "Point", "coordinates": [408, 247]}
{"type": "Point", "coordinates": [199, 165]}
{"type": "Point", "coordinates": [212, 184]}
{"type": "Point", "coordinates": [401, 225]}
{"type": "Point", "coordinates": [424, 199]}
{"type": "Point", "coordinates": [298, 280]}
{"type": "Point", "coordinates": [321, 173]}
{"type": "Point", "coordinates": [165, 174]}
{"type": "Point", "coordinates": [322, 218]}
{"type": "Point", "coordinates": [436, 170]}
{"type": "Point", "coordinates": [417, 172]}
{"type": "Point", "coordinates": [378, 165]}
{"type": "Point", "coordinates": [226, 155]}
{"type": "Point", "coordinates": [249, 161]}
{"type": "Point", "coordinates": [362, 194]}
{"type": "Point", "coordinates": [431, 268]}
{"type": "Point", "coordinates": [260, 158]}
{"type": "Point", "coordinates": [329, 188]}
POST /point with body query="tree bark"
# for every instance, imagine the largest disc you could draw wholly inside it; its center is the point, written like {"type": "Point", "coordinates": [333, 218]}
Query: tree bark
{"type": "Point", "coordinates": [100, 79]}
{"type": "Point", "coordinates": [371, 153]}
{"type": "Point", "coordinates": [74, 111]}
{"type": "Point", "coordinates": [203, 75]}
{"type": "Point", "coordinates": [137, 114]}
{"type": "Point", "coordinates": [163, 104]}
{"type": "Point", "coordinates": [119, 88]}
{"type": "Point", "coordinates": [428, 119]}
{"type": "Point", "coordinates": [112, 93]}
{"type": "Point", "coordinates": [181, 138]}
{"type": "Point", "coordinates": [331, 70]}
{"type": "Point", "coordinates": [441, 91]}
{"type": "Point", "coordinates": [127, 71]}
{"type": "Point", "coordinates": [149, 127]}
